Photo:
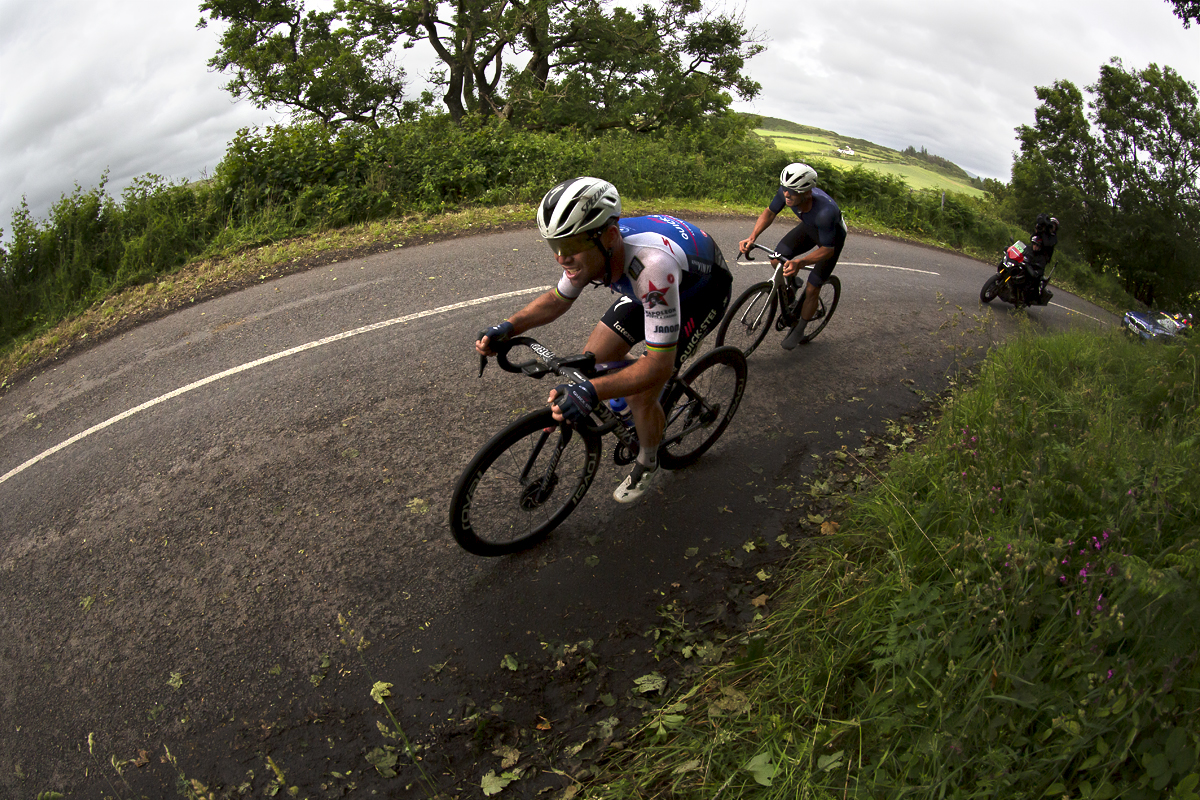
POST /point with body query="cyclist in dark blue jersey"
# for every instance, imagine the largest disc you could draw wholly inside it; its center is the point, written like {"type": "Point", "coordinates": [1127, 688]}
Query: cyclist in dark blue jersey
{"type": "Point", "coordinates": [817, 239]}
{"type": "Point", "coordinates": [674, 286]}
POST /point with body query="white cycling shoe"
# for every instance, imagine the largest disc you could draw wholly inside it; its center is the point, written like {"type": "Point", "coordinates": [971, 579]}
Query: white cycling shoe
{"type": "Point", "coordinates": [636, 484]}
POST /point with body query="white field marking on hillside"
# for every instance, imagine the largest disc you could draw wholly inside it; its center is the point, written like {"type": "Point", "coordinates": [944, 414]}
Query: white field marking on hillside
{"type": "Point", "coordinates": [853, 264]}
{"type": "Point", "coordinates": [258, 363]}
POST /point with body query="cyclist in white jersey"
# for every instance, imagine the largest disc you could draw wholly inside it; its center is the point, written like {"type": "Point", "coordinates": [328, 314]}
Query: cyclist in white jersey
{"type": "Point", "coordinates": [674, 287]}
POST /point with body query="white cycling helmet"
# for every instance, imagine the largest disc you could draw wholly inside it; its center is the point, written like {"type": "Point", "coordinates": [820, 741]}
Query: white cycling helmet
{"type": "Point", "coordinates": [576, 206]}
{"type": "Point", "coordinates": [798, 177]}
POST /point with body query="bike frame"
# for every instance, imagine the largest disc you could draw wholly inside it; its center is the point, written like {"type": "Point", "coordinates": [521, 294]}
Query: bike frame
{"type": "Point", "coordinates": [566, 367]}
{"type": "Point", "coordinates": [779, 284]}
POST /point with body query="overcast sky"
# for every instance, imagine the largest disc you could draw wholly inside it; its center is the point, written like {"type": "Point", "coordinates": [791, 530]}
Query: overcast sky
{"type": "Point", "coordinates": [90, 85]}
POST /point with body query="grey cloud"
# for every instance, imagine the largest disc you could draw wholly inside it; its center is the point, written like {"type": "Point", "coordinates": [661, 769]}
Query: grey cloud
{"type": "Point", "coordinates": [92, 85]}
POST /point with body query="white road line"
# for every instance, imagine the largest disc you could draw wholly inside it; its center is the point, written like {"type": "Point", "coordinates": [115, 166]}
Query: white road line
{"type": "Point", "coordinates": [1080, 313]}
{"type": "Point", "coordinates": [887, 266]}
{"type": "Point", "coordinates": [258, 363]}
{"type": "Point", "coordinates": [854, 264]}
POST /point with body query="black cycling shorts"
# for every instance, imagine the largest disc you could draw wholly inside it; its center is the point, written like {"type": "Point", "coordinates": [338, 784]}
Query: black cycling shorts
{"type": "Point", "coordinates": [699, 313]}
{"type": "Point", "coordinates": [797, 243]}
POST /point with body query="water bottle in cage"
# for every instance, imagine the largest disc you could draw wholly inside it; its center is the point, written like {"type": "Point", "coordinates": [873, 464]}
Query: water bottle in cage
{"type": "Point", "coordinates": [624, 453]}
{"type": "Point", "coordinates": [621, 409]}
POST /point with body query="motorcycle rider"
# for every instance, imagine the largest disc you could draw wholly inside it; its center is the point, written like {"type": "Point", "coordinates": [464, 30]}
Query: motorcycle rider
{"type": "Point", "coordinates": [1037, 256]}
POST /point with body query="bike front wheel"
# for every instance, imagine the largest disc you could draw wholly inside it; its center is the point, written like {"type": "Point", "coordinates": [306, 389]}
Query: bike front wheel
{"type": "Point", "coordinates": [522, 484]}
{"type": "Point", "coordinates": [990, 289]}
{"type": "Point", "coordinates": [748, 319]}
{"type": "Point", "coordinates": [827, 301]}
{"type": "Point", "coordinates": [700, 405]}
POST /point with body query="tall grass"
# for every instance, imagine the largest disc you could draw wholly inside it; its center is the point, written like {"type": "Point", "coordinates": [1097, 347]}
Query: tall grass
{"type": "Point", "coordinates": [1014, 612]}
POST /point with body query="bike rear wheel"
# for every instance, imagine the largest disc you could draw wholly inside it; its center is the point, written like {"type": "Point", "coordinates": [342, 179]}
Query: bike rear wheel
{"type": "Point", "coordinates": [700, 405]}
{"type": "Point", "coordinates": [522, 484]}
{"type": "Point", "coordinates": [827, 301]}
{"type": "Point", "coordinates": [748, 319]}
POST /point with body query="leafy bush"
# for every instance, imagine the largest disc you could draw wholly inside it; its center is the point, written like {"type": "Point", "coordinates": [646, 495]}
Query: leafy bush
{"type": "Point", "coordinates": [286, 181]}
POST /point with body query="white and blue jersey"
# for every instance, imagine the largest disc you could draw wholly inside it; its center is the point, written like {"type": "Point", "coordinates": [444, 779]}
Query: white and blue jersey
{"type": "Point", "coordinates": [667, 262]}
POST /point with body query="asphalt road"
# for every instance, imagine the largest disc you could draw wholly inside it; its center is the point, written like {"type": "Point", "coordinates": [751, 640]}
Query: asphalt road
{"type": "Point", "coordinates": [188, 509]}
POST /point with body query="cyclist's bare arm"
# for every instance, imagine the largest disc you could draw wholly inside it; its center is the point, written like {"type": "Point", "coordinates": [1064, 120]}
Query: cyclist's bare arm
{"type": "Point", "coordinates": [814, 256]}
{"type": "Point", "coordinates": [764, 221]}
{"type": "Point", "coordinates": [542, 310]}
{"type": "Point", "coordinates": [650, 372]}
{"type": "Point", "coordinates": [646, 376]}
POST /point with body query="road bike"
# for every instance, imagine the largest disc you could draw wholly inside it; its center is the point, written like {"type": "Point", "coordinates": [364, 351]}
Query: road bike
{"type": "Point", "coordinates": [750, 316]}
{"type": "Point", "coordinates": [529, 477]}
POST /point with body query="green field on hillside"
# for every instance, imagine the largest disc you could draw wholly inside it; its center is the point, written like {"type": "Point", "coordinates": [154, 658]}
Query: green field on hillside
{"type": "Point", "coordinates": [846, 152]}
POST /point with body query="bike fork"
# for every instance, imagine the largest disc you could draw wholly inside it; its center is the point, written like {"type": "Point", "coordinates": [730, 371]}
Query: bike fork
{"type": "Point", "coordinates": [551, 469]}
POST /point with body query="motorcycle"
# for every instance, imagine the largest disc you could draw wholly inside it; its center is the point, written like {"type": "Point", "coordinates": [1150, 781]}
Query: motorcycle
{"type": "Point", "coordinates": [1010, 281]}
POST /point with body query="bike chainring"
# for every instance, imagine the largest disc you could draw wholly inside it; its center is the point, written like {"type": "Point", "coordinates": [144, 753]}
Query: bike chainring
{"type": "Point", "coordinates": [624, 454]}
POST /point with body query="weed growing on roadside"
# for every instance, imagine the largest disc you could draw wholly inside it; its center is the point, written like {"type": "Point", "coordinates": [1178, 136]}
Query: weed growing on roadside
{"type": "Point", "coordinates": [1014, 611]}
{"type": "Point", "coordinates": [385, 758]}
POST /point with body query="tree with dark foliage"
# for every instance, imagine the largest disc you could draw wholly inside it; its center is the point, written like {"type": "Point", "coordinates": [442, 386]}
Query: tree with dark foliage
{"type": "Point", "coordinates": [1186, 10]}
{"type": "Point", "coordinates": [1123, 175]}
{"type": "Point", "coordinates": [540, 63]}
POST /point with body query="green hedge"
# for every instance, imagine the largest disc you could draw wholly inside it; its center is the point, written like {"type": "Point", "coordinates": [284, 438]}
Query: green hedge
{"type": "Point", "coordinates": [284, 181]}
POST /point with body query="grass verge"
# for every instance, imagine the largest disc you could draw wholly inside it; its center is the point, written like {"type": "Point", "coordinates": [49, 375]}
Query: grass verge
{"type": "Point", "coordinates": [1014, 610]}
{"type": "Point", "coordinates": [233, 268]}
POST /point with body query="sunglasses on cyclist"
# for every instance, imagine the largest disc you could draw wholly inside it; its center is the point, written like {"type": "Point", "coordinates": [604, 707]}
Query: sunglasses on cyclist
{"type": "Point", "coordinates": [569, 246]}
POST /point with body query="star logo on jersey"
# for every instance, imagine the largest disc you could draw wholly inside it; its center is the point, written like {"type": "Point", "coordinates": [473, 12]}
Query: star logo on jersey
{"type": "Point", "coordinates": [655, 297]}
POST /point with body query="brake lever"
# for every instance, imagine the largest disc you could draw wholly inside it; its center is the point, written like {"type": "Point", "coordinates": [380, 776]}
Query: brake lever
{"type": "Point", "coordinates": [482, 363]}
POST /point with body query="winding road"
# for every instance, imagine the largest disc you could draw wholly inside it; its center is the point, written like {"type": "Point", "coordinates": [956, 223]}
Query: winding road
{"type": "Point", "coordinates": [188, 510]}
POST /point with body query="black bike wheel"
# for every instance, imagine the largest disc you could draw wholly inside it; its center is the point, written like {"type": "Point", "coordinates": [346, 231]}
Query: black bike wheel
{"type": "Point", "coordinates": [990, 289]}
{"type": "Point", "coordinates": [522, 484]}
{"type": "Point", "coordinates": [700, 405]}
{"type": "Point", "coordinates": [827, 301]}
{"type": "Point", "coordinates": [748, 319]}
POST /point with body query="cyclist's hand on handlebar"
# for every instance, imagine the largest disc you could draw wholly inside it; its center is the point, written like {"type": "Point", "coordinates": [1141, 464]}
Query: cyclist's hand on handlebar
{"type": "Point", "coordinates": [496, 333]}
{"type": "Point", "coordinates": [572, 402]}
{"type": "Point", "coordinates": [744, 246]}
{"type": "Point", "coordinates": [791, 267]}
